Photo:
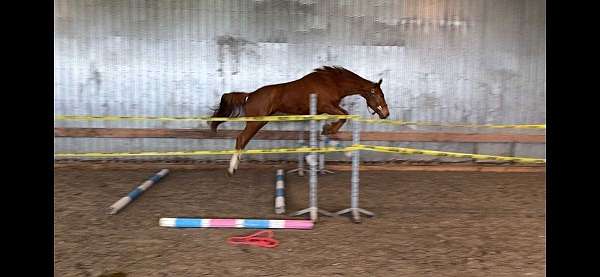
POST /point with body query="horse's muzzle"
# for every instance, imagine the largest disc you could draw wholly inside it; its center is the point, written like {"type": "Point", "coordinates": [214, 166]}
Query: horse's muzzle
{"type": "Point", "coordinates": [383, 112]}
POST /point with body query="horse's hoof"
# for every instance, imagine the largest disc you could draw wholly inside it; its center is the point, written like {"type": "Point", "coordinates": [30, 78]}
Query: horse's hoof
{"type": "Point", "coordinates": [230, 173]}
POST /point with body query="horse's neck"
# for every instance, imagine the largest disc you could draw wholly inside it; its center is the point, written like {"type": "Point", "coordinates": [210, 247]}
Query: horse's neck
{"type": "Point", "coordinates": [354, 87]}
{"type": "Point", "coordinates": [353, 92]}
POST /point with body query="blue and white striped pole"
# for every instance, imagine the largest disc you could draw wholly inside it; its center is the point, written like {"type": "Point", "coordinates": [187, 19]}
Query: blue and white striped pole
{"type": "Point", "coordinates": [114, 208]}
{"type": "Point", "coordinates": [279, 193]}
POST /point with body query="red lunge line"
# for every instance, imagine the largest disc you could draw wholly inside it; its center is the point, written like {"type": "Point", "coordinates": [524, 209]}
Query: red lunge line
{"type": "Point", "coordinates": [261, 239]}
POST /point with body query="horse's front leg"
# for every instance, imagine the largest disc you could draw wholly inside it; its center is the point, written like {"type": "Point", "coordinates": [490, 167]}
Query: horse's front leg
{"type": "Point", "coordinates": [332, 128]}
{"type": "Point", "coordinates": [242, 140]}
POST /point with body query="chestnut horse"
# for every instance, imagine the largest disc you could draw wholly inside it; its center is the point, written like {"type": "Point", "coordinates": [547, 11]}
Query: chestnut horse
{"type": "Point", "coordinates": [331, 84]}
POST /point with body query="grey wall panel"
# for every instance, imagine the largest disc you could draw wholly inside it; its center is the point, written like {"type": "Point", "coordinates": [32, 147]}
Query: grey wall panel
{"type": "Point", "coordinates": [443, 61]}
{"type": "Point", "coordinates": [530, 150]}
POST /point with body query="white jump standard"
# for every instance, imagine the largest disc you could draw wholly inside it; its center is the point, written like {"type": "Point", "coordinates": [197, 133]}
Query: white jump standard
{"type": "Point", "coordinates": [355, 179]}
{"type": "Point", "coordinates": [134, 194]}
{"type": "Point", "coordinates": [313, 207]}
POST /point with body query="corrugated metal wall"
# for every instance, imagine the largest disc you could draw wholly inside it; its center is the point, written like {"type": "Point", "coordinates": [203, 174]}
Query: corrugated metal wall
{"type": "Point", "coordinates": [443, 61]}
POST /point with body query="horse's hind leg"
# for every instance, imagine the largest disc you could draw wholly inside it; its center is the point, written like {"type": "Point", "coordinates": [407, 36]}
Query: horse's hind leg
{"type": "Point", "coordinates": [333, 128]}
{"type": "Point", "coordinates": [242, 140]}
{"type": "Point", "coordinates": [233, 163]}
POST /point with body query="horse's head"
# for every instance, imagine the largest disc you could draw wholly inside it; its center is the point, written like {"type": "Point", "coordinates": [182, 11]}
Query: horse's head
{"type": "Point", "coordinates": [376, 100]}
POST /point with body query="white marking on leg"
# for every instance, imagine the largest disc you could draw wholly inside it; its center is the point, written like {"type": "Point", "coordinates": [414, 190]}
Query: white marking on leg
{"type": "Point", "coordinates": [233, 163]}
{"type": "Point", "coordinates": [237, 163]}
{"type": "Point", "coordinates": [311, 159]}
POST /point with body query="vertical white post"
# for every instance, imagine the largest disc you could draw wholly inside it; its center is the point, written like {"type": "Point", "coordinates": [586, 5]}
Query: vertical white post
{"type": "Point", "coordinates": [355, 170]}
{"type": "Point", "coordinates": [301, 155]}
{"type": "Point", "coordinates": [313, 167]}
{"type": "Point", "coordinates": [313, 208]}
{"type": "Point", "coordinates": [355, 181]}
{"type": "Point", "coordinates": [322, 144]}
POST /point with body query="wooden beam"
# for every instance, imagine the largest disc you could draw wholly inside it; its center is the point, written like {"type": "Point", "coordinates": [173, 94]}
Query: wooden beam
{"type": "Point", "coordinates": [293, 135]}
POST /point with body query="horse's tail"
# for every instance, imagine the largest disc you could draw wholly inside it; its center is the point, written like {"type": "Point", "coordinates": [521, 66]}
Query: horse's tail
{"type": "Point", "coordinates": [231, 105]}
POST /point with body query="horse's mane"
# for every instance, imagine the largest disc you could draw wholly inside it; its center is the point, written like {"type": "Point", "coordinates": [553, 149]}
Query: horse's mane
{"type": "Point", "coordinates": [339, 72]}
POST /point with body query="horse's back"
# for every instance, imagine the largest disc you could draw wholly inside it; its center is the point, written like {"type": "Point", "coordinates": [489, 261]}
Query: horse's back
{"type": "Point", "coordinates": [291, 97]}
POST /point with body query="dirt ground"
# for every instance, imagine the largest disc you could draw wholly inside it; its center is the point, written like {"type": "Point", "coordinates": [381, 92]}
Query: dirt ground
{"type": "Point", "coordinates": [426, 224]}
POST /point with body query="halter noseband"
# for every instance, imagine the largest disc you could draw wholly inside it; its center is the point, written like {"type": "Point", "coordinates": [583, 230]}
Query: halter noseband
{"type": "Point", "coordinates": [371, 95]}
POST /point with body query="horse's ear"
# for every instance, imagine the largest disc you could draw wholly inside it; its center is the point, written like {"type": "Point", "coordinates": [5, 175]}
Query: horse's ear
{"type": "Point", "coordinates": [379, 83]}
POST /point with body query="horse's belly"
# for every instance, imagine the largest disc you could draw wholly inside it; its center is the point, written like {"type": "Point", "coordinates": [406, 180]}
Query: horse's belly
{"type": "Point", "coordinates": [294, 110]}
